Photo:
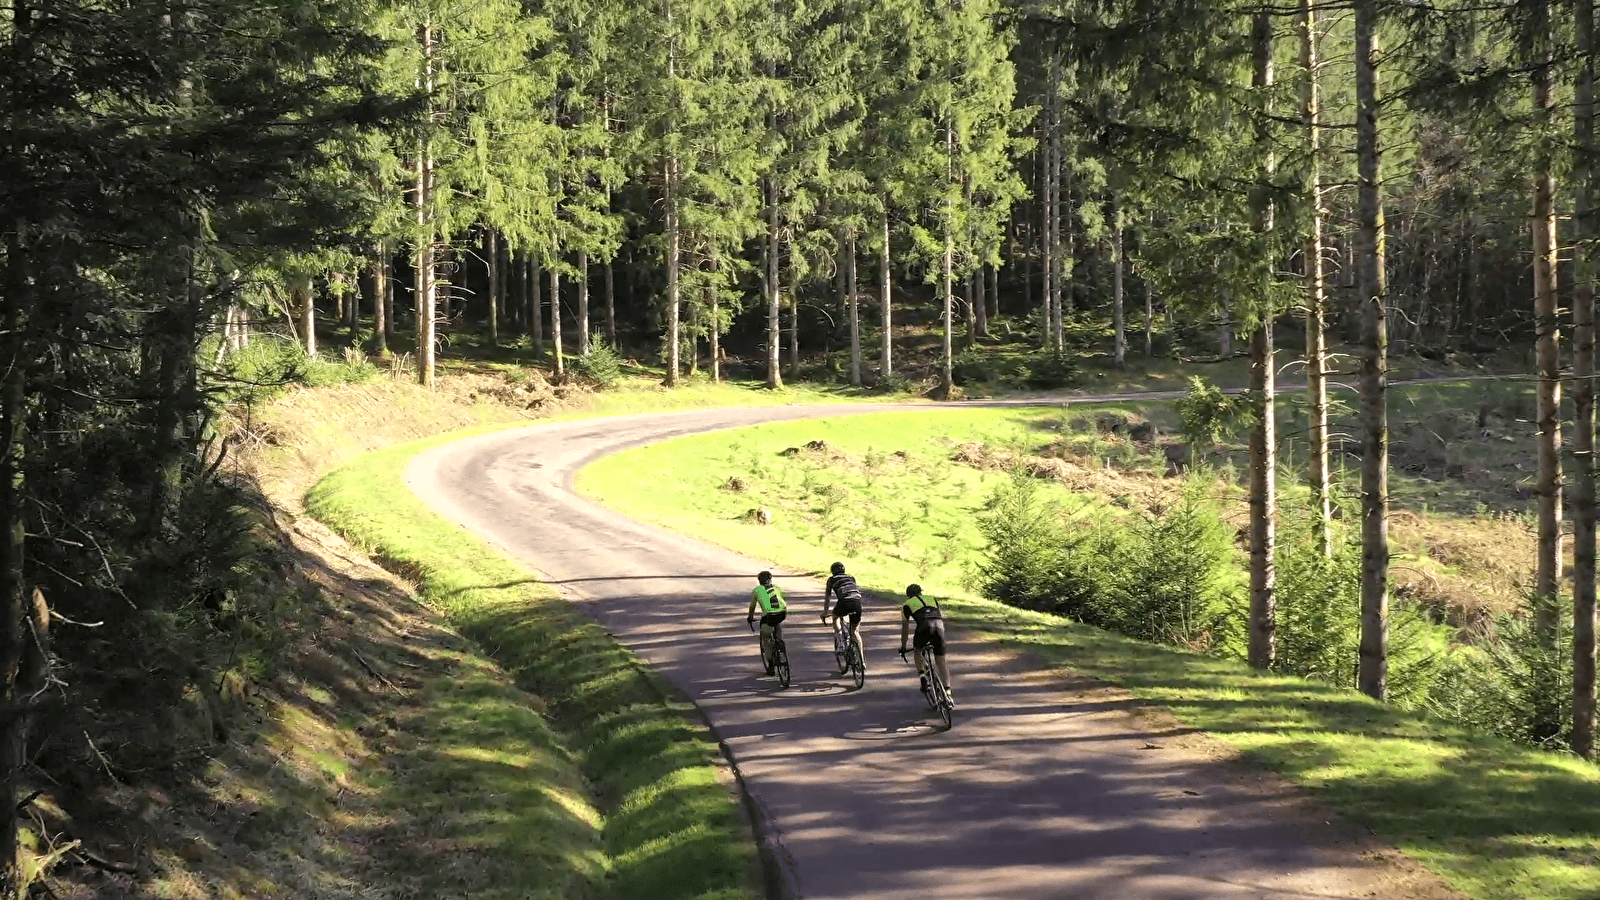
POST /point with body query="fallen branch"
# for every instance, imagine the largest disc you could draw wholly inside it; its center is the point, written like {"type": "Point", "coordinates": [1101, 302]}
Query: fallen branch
{"type": "Point", "coordinates": [104, 865]}
{"type": "Point", "coordinates": [375, 673]}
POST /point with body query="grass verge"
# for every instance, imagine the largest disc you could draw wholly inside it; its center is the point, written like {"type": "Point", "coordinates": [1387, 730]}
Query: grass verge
{"type": "Point", "coordinates": [670, 823]}
{"type": "Point", "coordinates": [1498, 821]}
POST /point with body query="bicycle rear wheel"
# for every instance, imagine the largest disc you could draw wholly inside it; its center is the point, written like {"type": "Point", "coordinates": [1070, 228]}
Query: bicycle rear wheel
{"type": "Point", "coordinates": [947, 710]}
{"type": "Point", "coordinates": [858, 666]}
{"type": "Point", "coordinates": [783, 666]}
{"type": "Point", "coordinates": [841, 655]}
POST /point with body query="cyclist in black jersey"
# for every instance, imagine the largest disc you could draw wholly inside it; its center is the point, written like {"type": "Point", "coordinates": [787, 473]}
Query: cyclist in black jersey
{"type": "Point", "coordinates": [930, 630]}
{"type": "Point", "coordinates": [843, 588]}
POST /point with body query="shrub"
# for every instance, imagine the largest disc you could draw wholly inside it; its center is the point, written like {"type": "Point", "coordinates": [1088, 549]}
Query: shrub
{"type": "Point", "coordinates": [1177, 579]}
{"type": "Point", "coordinates": [1512, 683]}
{"type": "Point", "coordinates": [1033, 559]}
{"type": "Point", "coordinates": [1208, 415]}
{"type": "Point", "coordinates": [1319, 609]}
{"type": "Point", "coordinates": [602, 367]}
{"type": "Point", "coordinates": [1049, 369]}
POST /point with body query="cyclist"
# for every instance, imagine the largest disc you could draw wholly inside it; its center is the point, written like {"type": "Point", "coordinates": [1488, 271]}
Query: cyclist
{"type": "Point", "coordinates": [930, 630]}
{"type": "Point", "coordinates": [774, 609]}
{"type": "Point", "coordinates": [844, 588]}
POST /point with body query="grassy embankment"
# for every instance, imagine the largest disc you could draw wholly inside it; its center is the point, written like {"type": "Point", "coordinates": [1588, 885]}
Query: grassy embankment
{"type": "Point", "coordinates": [1497, 820]}
{"type": "Point", "coordinates": [386, 755]}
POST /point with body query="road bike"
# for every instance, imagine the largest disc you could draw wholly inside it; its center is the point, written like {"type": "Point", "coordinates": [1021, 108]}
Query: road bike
{"type": "Point", "coordinates": [935, 691]}
{"type": "Point", "coordinates": [847, 650]}
{"type": "Point", "coordinates": [780, 654]}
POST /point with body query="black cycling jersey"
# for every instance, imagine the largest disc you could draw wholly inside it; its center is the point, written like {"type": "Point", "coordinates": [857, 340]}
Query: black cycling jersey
{"type": "Point", "coordinates": [843, 587]}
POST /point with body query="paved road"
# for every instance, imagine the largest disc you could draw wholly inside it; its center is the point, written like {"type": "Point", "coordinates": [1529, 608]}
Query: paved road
{"type": "Point", "coordinates": [1046, 789]}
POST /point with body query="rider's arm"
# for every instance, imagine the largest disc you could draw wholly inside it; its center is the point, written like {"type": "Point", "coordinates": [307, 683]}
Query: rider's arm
{"type": "Point", "coordinates": [905, 627]}
{"type": "Point", "coordinates": [826, 593]}
{"type": "Point", "coordinates": [751, 614]}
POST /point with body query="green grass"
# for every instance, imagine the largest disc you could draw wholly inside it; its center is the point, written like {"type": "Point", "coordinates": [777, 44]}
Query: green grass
{"type": "Point", "coordinates": [669, 824]}
{"type": "Point", "coordinates": [1498, 821]}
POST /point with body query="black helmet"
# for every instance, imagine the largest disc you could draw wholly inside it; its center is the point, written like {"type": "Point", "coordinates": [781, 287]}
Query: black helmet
{"type": "Point", "coordinates": [913, 590]}
{"type": "Point", "coordinates": [837, 568]}
{"type": "Point", "coordinates": [764, 578]}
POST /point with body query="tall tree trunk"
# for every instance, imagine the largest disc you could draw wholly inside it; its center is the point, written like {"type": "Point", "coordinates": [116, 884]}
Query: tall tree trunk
{"type": "Point", "coordinates": [994, 296]}
{"type": "Point", "coordinates": [385, 262]}
{"type": "Point", "coordinates": [774, 302]}
{"type": "Point", "coordinates": [946, 367]}
{"type": "Point", "coordinates": [1372, 288]}
{"type": "Point", "coordinates": [491, 256]}
{"type": "Point", "coordinates": [970, 313]}
{"type": "Point", "coordinates": [1118, 314]}
{"type": "Point", "coordinates": [674, 252]}
{"type": "Point", "coordinates": [14, 303]}
{"type": "Point", "coordinates": [885, 367]}
{"type": "Point", "coordinates": [1316, 292]}
{"type": "Point", "coordinates": [425, 228]}
{"type": "Point", "coordinates": [583, 303]}
{"type": "Point", "coordinates": [715, 331]}
{"type": "Point", "coordinates": [1149, 318]}
{"type": "Point", "coordinates": [1583, 374]}
{"type": "Point", "coordinates": [1263, 385]}
{"type": "Point", "coordinates": [1225, 329]}
{"type": "Point", "coordinates": [980, 300]}
{"type": "Point", "coordinates": [794, 319]}
{"type": "Point", "coordinates": [560, 364]}
{"type": "Point", "coordinates": [855, 310]}
{"type": "Point", "coordinates": [1547, 578]}
{"type": "Point", "coordinates": [536, 306]}
{"type": "Point", "coordinates": [380, 297]}
{"type": "Point", "coordinates": [611, 303]}
{"type": "Point", "coordinates": [1547, 575]}
{"type": "Point", "coordinates": [304, 302]}
{"type": "Point", "coordinates": [1052, 207]}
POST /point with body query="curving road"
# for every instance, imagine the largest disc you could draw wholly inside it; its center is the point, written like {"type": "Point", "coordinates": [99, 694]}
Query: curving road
{"type": "Point", "coordinates": [1047, 788]}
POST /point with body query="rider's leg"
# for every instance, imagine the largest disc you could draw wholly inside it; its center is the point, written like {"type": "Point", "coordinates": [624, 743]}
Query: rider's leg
{"type": "Point", "coordinates": [943, 668]}
{"type": "Point", "coordinates": [861, 644]}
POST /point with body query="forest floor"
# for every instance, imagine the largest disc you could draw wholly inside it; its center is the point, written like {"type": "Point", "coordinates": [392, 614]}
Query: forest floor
{"type": "Point", "coordinates": [897, 495]}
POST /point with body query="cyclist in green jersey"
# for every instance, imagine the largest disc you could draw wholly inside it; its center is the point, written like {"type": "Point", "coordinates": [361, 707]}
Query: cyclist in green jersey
{"type": "Point", "coordinates": [774, 609]}
{"type": "Point", "coordinates": [930, 630]}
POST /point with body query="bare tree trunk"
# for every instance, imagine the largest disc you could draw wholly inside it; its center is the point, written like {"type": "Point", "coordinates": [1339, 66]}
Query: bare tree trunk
{"type": "Point", "coordinates": [611, 303]}
{"type": "Point", "coordinates": [715, 330]}
{"type": "Point", "coordinates": [560, 366]}
{"type": "Point", "coordinates": [385, 260]}
{"type": "Point", "coordinates": [1264, 436]}
{"type": "Point", "coordinates": [583, 303]}
{"type": "Point", "coordinates": [491, 254]}
{"type": "Point", "coordinates": [425, 229]}
{"type": "Point", "coordinates": [14, 302]}
{"type": "Point", "coordinates": [946, 368]}
{"type": "Point", "coordinates": [674, 253]}
{"type": "Point", "coordinates": [994, 294]}
{"type": "Point", "coordinates": [536, 306]}
{"type": "Point", "coordinates": [1316, 328]}
{"type": "Point", "coordinates": [1149, 319]}
{"type": "Point", "coordinates": [380, 296]}
{"type": "Point", "coordinates": [885, 368]}
{"type": "Point", "coordinates": [1372, 287]}
{"type": "Point", "coordinates": [1052, 208]}
{"type": "Point", "coordinates": [1583, 372]}
{"type": "Point", "coordinates": [305, 303]}
{"type": "Point", "coordinates": [794, 318]}
{"type": "Point", "coordinates": [774, 295]}
{"type": "Point", "coordinates": [1225, 329]}
{"type": "Point", "coordinates": [855, 310]}
{"type": "Point", "coordinates": [1547, 578]}
{"type": "Point", "coordinates": [1118, 316]}
{"type": "Point", "coordinates": [980, 303]}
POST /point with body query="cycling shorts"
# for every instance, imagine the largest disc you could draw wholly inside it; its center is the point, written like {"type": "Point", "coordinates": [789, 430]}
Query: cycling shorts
{"type": "Point", "coordinates": [849, 606]}
{"type": "Point", "coordinates": [930, 631]}
{"type": "Point", "coordinates": [771, 619]}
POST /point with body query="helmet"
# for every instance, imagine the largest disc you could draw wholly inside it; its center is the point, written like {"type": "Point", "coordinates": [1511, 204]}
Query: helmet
{"type": "Point", "coordinates": [837, 568]}
{"type": "Point", "coordinates": [764, 578]}
{"type": "Point", "coordinates": [913, 590]}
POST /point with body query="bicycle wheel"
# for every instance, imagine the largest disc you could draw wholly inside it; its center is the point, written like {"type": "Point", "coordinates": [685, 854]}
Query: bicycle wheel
{"type": "Point", "coordinates": [932, 677]}
{"type": "Point", "coordinates": [783, 666]}
{"type": "Point", "coordinates": [947, 710]}
{"type": "Point", "coordinates": [840, 654]}
{"type": "Point", "coordinates": [858, 666]}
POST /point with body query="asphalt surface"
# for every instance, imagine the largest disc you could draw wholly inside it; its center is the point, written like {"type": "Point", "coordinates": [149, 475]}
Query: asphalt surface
{"type": "Point", "coordinates": [1047, 788]}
